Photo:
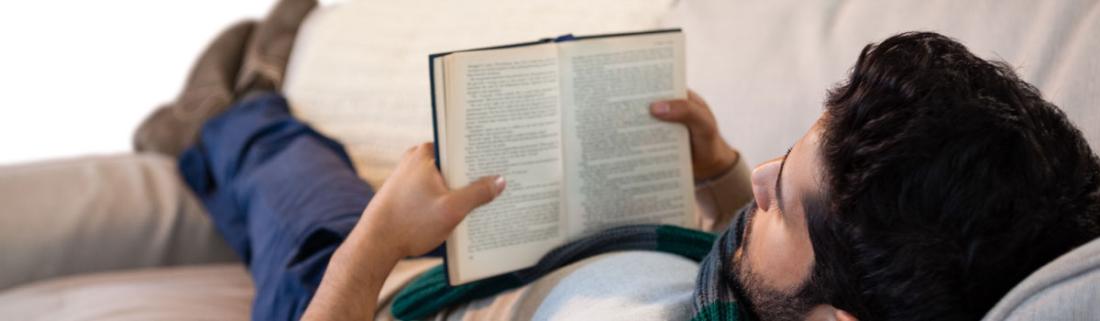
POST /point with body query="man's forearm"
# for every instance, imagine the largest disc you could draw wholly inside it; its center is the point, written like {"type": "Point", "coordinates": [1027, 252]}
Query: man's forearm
{"type": "Point", "coordinates": [349, 290]}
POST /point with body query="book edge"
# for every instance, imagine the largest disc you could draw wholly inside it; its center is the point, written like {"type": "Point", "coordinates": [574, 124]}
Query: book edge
{"type": "Point", "coordinates": [562, 38]}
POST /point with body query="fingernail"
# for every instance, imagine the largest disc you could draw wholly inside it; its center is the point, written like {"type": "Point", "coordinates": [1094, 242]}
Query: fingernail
{"type": "Point", "coordinates": [660, 108]}
{"type": "Point", "coordinates": [499, 184]}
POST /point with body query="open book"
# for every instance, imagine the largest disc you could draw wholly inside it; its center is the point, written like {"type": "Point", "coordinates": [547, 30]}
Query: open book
{"type": "Point", "coordinates": [566, 122]}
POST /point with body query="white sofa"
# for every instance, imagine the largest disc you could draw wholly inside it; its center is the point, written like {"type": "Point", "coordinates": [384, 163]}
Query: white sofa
{"type": "Point", "coordinates": [359, 73]}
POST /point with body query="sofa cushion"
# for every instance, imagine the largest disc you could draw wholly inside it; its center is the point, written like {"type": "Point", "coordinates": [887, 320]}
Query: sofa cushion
{"type": "Point", "coordinates": [201, 292]}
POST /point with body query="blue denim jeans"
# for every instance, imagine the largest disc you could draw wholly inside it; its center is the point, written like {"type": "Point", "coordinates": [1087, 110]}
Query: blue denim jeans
{"type": "Point", "coordinates": [283, 195]}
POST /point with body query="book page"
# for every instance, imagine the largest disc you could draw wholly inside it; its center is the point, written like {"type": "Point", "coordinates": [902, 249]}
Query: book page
{"type": "Point", "coordinates": [622, 166]}
{"type": "Point", "coordinates": [503, 117]}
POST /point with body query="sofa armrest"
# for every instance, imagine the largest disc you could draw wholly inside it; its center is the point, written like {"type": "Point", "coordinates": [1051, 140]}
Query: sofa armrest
{"type": "Point", "coordinates": [100, 213]}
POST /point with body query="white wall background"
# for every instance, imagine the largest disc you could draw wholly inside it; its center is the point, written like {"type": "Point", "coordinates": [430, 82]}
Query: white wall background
{"type": "Point", "coordinates": [76, 77]}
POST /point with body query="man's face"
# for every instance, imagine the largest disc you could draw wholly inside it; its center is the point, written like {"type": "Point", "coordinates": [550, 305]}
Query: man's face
{"type": "Point", "coordinates": [775, 258]}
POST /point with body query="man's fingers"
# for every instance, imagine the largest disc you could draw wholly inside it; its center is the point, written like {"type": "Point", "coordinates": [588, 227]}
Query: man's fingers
{"type": "Point", "coordinates": [478, 193]}
{"type": "Point", "coordinates": [419, 151]}
{"type": "Point", "coordinates": [681, 111]}
{"type": "Point", "coordinates": [693, 97]}
{"type": "Point", "coordinates": [426, 149]}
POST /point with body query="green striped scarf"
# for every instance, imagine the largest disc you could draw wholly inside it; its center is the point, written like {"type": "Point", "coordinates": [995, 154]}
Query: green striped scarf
{"type": "Point", "coordinates": [714, 291]}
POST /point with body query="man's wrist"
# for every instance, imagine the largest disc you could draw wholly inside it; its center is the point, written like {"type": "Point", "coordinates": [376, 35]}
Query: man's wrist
{"type": "Point", "coordinates": [719, 165]}
{"type": "Point", "coordinates": [353, 279]}
{"type": "Point", "coordinates": [369, 236]}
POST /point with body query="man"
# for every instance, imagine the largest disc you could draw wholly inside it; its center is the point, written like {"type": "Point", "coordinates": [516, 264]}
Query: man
{"type": "Point", "coordinates": [933, 183]}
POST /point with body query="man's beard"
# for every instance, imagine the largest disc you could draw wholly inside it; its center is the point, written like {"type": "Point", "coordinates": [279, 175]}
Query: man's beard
{"type": "Point", "coordinates": [766, 303]}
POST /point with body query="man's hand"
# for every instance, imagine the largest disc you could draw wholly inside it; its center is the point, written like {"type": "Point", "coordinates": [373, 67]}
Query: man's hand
{"type": "Point", "coordinates": [710, 154]}
{"type": "Point", "coordinates": [412, 214]}
{"type": "Point", "coordinates": [415, 211]}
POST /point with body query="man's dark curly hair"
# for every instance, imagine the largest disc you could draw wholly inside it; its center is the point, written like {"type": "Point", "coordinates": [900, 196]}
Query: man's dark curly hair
{"type": "Point", "coordinates": [948, 180]}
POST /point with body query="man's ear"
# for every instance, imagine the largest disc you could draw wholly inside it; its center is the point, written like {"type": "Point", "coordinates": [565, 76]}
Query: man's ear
{"type": "Point", "coordinates": [827, 312]}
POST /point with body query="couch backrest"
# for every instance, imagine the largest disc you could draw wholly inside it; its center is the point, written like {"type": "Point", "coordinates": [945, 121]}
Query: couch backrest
{"type": "Point", "coordinates": [359, 71]}
{"type": "Point", "coordinates": [770, 62]}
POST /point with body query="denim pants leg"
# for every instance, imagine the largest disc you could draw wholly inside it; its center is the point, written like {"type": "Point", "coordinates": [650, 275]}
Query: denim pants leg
{"type": "Point", "coordinates": [282, 194]}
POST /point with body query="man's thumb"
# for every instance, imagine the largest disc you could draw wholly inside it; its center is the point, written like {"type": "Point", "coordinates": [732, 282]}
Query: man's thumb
{"type": "Point", "coordinates": [476, 194]}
